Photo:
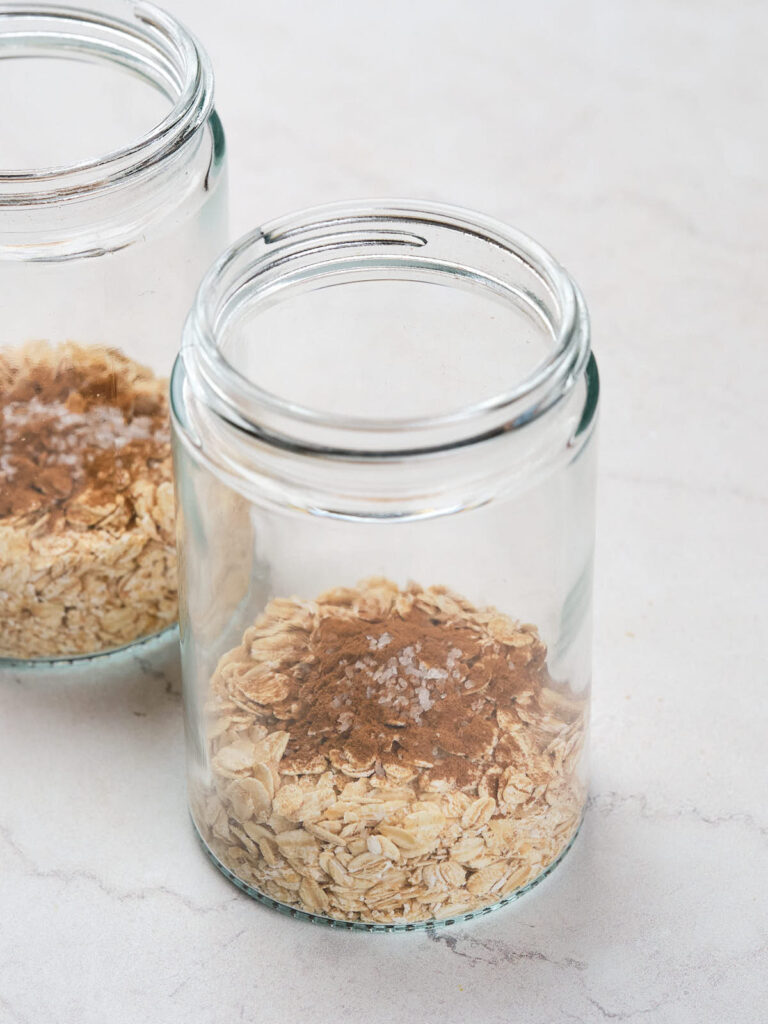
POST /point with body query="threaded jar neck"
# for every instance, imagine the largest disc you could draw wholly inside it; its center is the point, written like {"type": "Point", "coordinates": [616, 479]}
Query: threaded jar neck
{"type": "Point", "coordinates": [527, 306]}
{"type": "Point", "coordinates": [138, 37]}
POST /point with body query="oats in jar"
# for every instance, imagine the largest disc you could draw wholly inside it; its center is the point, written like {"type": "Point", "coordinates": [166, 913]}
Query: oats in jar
{"type": "Point", "coordinates": [425, 764]}
{"type": "Point", "coordinates": [87, 547]}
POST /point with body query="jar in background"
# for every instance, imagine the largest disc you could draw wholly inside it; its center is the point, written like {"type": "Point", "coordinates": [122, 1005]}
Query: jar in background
{"type": "Point", "coordinates": [384, 423]}
{"type": "Point", "coordinates": [112, 204]}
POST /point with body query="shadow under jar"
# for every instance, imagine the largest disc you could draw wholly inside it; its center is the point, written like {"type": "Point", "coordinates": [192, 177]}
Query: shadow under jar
{"type": "Point", "coordinates": [112, 205]}
{"type": "Point", "coordinates": [383, 423]}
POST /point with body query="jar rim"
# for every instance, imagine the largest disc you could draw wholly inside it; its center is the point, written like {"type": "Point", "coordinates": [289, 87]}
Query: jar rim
{"type": "Point", "coordinates": [130, 33]}
{"type": "Point", "coordinates": [281, 422]}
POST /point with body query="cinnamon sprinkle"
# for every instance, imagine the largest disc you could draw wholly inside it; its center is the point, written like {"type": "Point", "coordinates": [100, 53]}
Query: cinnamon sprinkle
{"type": "Point", "coordinates": [403, 691]}
{"type": "Point", "coordinates": [74, 422]}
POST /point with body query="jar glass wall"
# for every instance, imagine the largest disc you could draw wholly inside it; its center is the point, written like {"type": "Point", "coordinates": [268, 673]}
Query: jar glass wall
{"type": "Point", "coordinates": [383, 440]}
{"type": "Point", "coordinates": [112, 204]}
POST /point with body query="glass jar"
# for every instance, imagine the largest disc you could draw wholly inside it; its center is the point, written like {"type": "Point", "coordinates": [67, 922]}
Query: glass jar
{"type": "Point", "coordinates": [383, 421]}
{"type": "Point", "coordinates": [112, 204]}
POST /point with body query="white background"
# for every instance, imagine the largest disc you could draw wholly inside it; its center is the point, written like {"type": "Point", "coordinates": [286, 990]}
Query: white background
{"type": "Point", "coordinates": [629, 138]}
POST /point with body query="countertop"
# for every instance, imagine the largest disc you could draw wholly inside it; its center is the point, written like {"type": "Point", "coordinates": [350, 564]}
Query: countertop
{"type": "Point", "coordinates": [630, 140]}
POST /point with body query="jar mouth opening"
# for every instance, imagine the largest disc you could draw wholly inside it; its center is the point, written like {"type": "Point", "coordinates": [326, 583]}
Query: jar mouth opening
{"type": "Point", "coordinates": [134, 36]}
{"type": "Point", "coordinates": [405, 240]}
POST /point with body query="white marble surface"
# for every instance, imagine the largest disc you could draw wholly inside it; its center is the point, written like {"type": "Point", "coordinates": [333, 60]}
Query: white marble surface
{"type": "Point", "coordinates": [630, 139]}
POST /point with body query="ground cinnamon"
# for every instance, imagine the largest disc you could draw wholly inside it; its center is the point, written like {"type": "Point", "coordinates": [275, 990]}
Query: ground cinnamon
{"type": "Point", "coordinates": [75, 424]}
{"type": "Point", "coordinates": [403, 690]}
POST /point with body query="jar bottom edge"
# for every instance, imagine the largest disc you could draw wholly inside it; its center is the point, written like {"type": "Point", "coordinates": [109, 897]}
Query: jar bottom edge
{"type": "Point", "coordinates": [146, 645]}
{"type": "Point", "coordinates": [363, 926]}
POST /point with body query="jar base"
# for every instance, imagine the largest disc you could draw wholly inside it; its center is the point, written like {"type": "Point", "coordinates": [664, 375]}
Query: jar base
{"type": "Point", "coordinates": [145, 645]}
{"type": "Point", "coordinates": [362, 926]}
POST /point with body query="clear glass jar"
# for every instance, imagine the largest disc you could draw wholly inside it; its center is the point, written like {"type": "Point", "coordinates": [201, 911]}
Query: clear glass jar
{"type": "Point", "coordinates": [112, 205]}
{"type": "Point", "coordinates": [383, 422]}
